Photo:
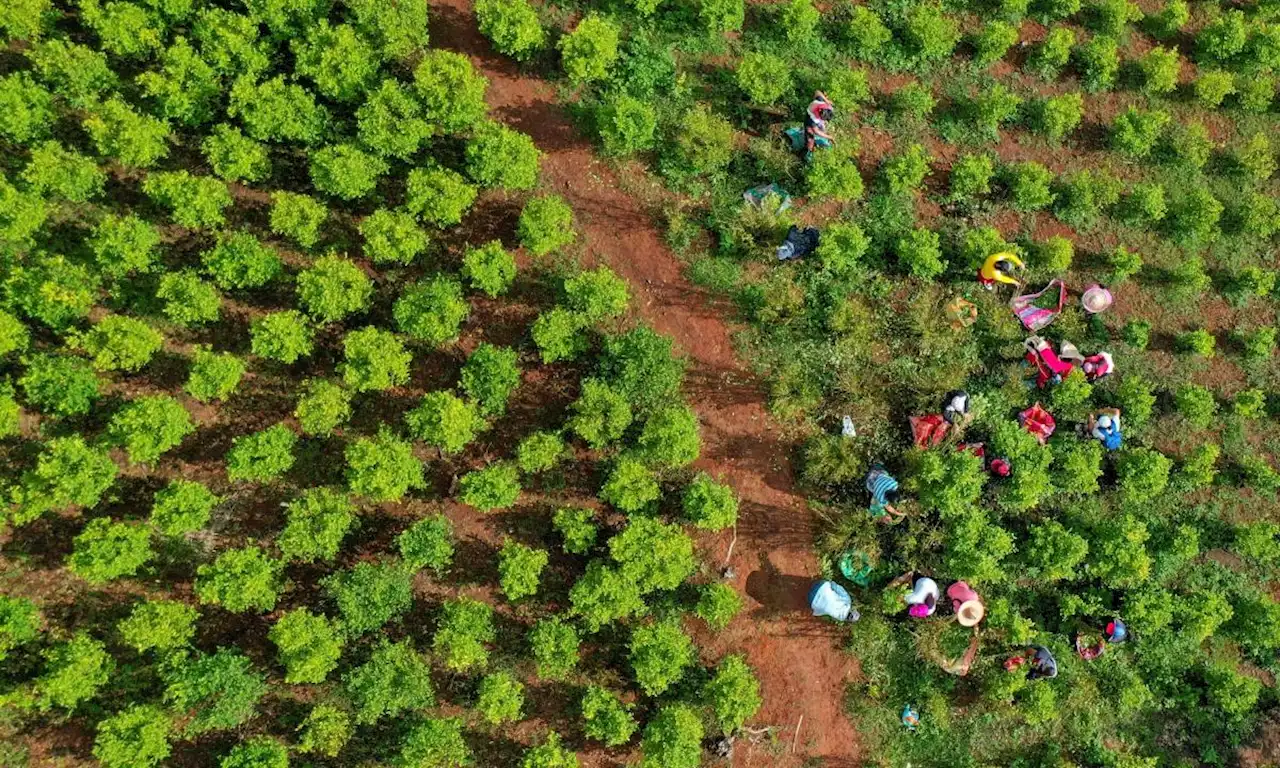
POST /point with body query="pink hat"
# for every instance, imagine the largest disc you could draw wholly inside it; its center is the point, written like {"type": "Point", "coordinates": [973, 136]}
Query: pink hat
{"type": "Point", "coordinates": [1095, 299]}
{"type": "Point", "coordinates": [919, 610]}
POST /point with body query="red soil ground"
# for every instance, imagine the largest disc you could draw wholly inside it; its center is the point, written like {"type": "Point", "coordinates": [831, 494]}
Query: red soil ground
{"type": "Point", "coordinates": [797, 658]}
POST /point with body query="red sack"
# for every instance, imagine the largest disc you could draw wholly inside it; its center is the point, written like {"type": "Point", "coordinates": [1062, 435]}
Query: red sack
{"type": "Point", "coordinates": [1038, 422]}
{"type": "Point", "coordinates": [928, 430]}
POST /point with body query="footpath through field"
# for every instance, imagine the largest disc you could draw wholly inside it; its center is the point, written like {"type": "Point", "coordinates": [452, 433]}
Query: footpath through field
{"type": "Point", "coordinates": [801, 667]}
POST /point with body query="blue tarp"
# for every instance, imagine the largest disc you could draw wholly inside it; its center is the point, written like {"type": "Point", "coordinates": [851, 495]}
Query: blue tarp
{"type": "Point", "coordinates": [830, 599]}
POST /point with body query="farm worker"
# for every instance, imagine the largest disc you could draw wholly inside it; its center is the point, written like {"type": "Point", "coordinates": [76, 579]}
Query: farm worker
{"type": "Point", "coordinates": [1049, 367]}
{"type": "Point", "coordinates": [1104, 426]}
{"type": "Point", "coordinates": [1042, 662]}
{"type": "Point", "coordinates": [884, 492]}
{"type": "Point", "coordinates": [1097, 366]}
{"type": "Point", "coordinates": [910, 717]}
{"type": "Point", "coordinates": [1095, 299]}
{"type": "Point", "coordinates": [1116, 631]}
{"type": "Point", "coordinates": [967, 605]}
{"type": "Point", "coordinates": [955, 409]}
{"type": "Point", "coordinates": [923, 598]}
{"type": "Point", "coordinates": [1001, 467]}
{"type": "Point", "coordinates": [815, 122]}
{"type": "Point", "coordinates": [998, 268]}
{"type": "Point", "coordinates": [828, 598]}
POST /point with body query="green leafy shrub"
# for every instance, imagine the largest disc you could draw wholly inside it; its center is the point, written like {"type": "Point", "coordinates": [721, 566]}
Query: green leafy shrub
{"type": "Point", "coordinates": [323, 407]}
{"type": "Point", "coordinates": [276, 110]}
{"type": "Point", "coordinates": [393, 681]}
{"type": "Point", "coordinates": [1051, 55]}
{"type": "Point", "coordinates": [120, 343]}
{"type": "Point", "coordinates": [240, 260]}
{"type": "Point", "coordinates": [137, 737]}
{"type": "Point", "coordinates": [257, 752]}
{"type": "Point", "coordinates": [834, 174]}
{"type": "Point", "coordinates": [489, 377]}
{"type": "Point", "coordinates": [57, 172]}
{"type": "Point", "coordinates": [345, 171]}
{"type": "Point", "coordinates": [540, 451]}
{"type": "Point", "coordinates": [600, 414]}
{"type": "Point", "coordinates": [905, 171]}
{"type": "Point", "coordinates": [1187, 145]}
{"type": "Point", "coordinates": [993, 41]}
{"type": "Point", "coordinates": [603, 595]}
{"type": "Point", "coordinates": [262, 455]}
{"type": "Point", "coordinates": [196, 202]}
{"type": "Point", "coordinates": [721, 16]}
{"type": "Point", "coordinates": [218, 691]}
{"type": "Point", "coordinates": [298, 217]}
{"type": "Point", "coordinates": [1098, 61]}
{"type": "Point", "coordinates": [432, 310]}
{"type": "Point", "coordinates": [68, 473]}
{"type": "Point", "coordinates": [163, 625]}
{"type": "Point", "coordinates": [106, 550]}
{"type": "Point", "coordinates": [1135, 399]}
{"type": "Point", "coordinates": [710, 505]}
{"type": "Point", "coordinates": [500, 698]}
{"type": "Point", "coordinates": [428, 543]}
{"type": "Point", "coordinates": [1196, 404]}
{"type": "Point", "coordinates": [590, 50]}
{"type": "Point", "coordinates": [436, 742]}
{"type": "Point", "coordinates": [1199, 468]}
{"type": "Point", "coordinates": [1249, 403]}
{"type": "Point", "coordinates": [390, 123]}
{"type": "Point", "coordinates": [307, 645]}
{"type": "Point", "coordinates": [149, 427]}
{"type": "Point", "coordinates": [513, 26]}
{"type": "Point", "coordinates": [325, 731]}
{"type": "Point", "coordinates": [74, 670]}
{"type": "Point", "coordinates": [1254, 93]}
{"type": "Point", "coordinates": [704, 141]}
{"type": "Point", "coordinates": [660, 653]}
{"type": "Point", "coordinates": [333, 288]}
{"type": "Point", "coordinates": [214, 375]}
{"type": "Point", "coordinates": [392, 237]}
{"type": "Point", "coordinates": [577, 527]}
{"type": "Point", "coordinates": [370, 594]}
{"type": "Point", "coordinates": [1124, 264]}
{"type": "Point", "coordinates": [627, 125]}
{"type": "Point", "coordinates": [188, 300]}
{"type": "Point", "coordinates": [489, 268]}
{"type": "Point", "coordinates": [337, 60]}
{"type": "Point", "coordinates": [182, 506]}
{"type": "Point", "coordinates": [134, 139]}
{"type": "Point", "coordinates": [1144, 204]}
{"type": "Point", "coordinates": [445, 421]}
{"type": "Point", "coordinates": [124, 244]}
{"type": "Point", "coordinates": [498, 156]}
{"type": "Point", "coordinates": [28, 108]}
{"type": "Point", "coordinates": [763, 77]}
{"type": "Point", "coordinates": [240, 580]}
{"type": "Point", "coordinates": [1213, 86]}
{"type": "Point", "coordinates": [673, 738]}
{"type": "Point", "coordinates": [549, 754]}
{"type": "Point", "coordinates": [1058, 116]}
{"type": "Point", "coordinates": [631, 485]}
{"type": "Point", "coordinates": [717, 604]}
{"type": "Point", "coordinates": [1134, 133]}
{"type": "Point", "coordinates": [373, 360]}
{"type": "Point", "coordinates": [77, 72]}
{"type": "Point", "coordinates": [438, 196]}
{"type": "Point", "coordinates": [554, 643]}
{"type": "Point", "coordinates": [971, 177]}
{"type": "Point", "coordinates": [1083, 196]}
{"type": "Point", "coordinates": [928, 34]}
{"type": "Point", "coordinates": [315, 524]}
{"type": "Point", "coordinates": [236, 157]}
{"type": "Point", "coordinates": [558, 334]}
{"type": "Point", "coordinates": [920, 252]}
{"type": "Point", "coordinates": [519, 569]}
{"type": "Point", "coordinates": [606, 718]}
{"type": "Point", "coordinates": [1258, 344]}
{"type": "Point", "coordinates": [466, 627]}
{"type": "Point", "coordinates": [451, 92]}
{"type": "Point", "coordinates": [383, 467]}
{"type": "Point", "coordinates": [1159, 68]}
{"type": "Point", "coordinates": [1142, 473]}
{"type": "Point", "coordinates": [496, 486]}
{"type": "Point", "coordinates": [1198, 342]}
{"type": "Point", "coordinates": [1029, 186]}
{"type": "Point", "coordinates": [283, 336]}
{"type": "Point", "coordinates": [63, 386]}
{"type": "Point", "coordinates": [733, 693]}
{"type": "Point", "coordinates": [652, 554]}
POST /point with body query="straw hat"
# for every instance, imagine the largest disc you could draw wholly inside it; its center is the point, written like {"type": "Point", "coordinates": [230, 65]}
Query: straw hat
{"type": "Point", "coordinates": [1096, 299]}
{"type": "Point", "coordinates": [971, 612]}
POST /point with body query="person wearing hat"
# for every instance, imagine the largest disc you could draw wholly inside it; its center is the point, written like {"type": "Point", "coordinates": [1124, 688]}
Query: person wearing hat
{"type": "Point", "coordinates": [1042, 662]}
{"type": "Point", "coordinates": [815, 122]}
{"type": "Point", "coordinates": [1104, 426]}
{"type": "Point", "coordinates": [998, 268]}
{"type": "Point", "coordinates": [828, 598]}
{"type": "Point", "coordinates": [923, 600]}
{"type": "Point", "coordinates": [966, 604]}
{"type": "Point", "coordinates": [1095, 299]}
{"type": "Point", "coordinates": [1097, 366]}
{"type": "Point", "coordinates": [1116, 632]}
{"type": "Point", "coordinates": [955, 407]}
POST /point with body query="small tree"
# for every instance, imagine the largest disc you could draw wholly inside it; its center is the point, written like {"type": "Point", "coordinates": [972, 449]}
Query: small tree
{"type": "Point", "coordinates": [733, 694]}
{"type": "Point", "coordinates": [496, 486]}
{"type": "Point", "coordinates": [660, 652]}
{"type": "Point", "coordinates": [236, 157]}
{"type": "Point", "coordinates": [346, 171]}
{"type": "Point", "coordinates": [282, 336]}
{"type": "Point", "coordinates": [498, 156]}
{"type": "Point", "coordinates": [590, 50]}
{"type": "Point", "coordinates": [438, 196]}
{"type": "Point", "coordinates": [298, 217]}
{"type": "Point", "coordinates": [57, 172]}
{"type": "Point", "coordinates": [383, 467]}
{"type": "Point", "coordinates": [445, 421]}
{"type": "Point", "coordinates": [137, 737]}
{"type": "Point", "coordinates": [392, 237]}
{"type": "Point", "coordinates": [325, 732]}
{"type": "Point", "coordinates": [600, 414]}
{"type": "Point", "coordinates": [577, 527]}
{"type": "Point", "coordinates": [240, 580]}
{"type": "Point", "coordinates": [512, 26]}
{"type": "Point", "coordinates": [606, 718]}
{"type": "Point", "coordinates": [432, 310]}
{"type": "Point", "coordinates": [1142, 473]}
{"type": "Point", "coordinates": [307, 645]}
{"type": "Point", "coordinates": [490, 268]}
{"type": "Point", "coordinates": [669, 437]}
{"type": "Point", "coordinates": [466, 627]}
{"type": "Point", "coordinates": [240, 260]}
{"type": "Point", "coordinates": [540, 452]}
{"type": "Point", "coordinates": [519, 569]}
{"type": "Point", "coordinates": [134, 139]}
{"type": "Point", "coordinates": [196, 202]}
{"type": "Point", "coordinates": [555, 644]}
{"type": "Point", "coordinates": [74, 671]}
{"type": "Point", "coordinates": [450, 91]}
{"type": "Point", "coordinates": [333, 288]}
{"type": "Point", "coordinates": [374, 359]}
{"type": "Point", "coordinates": [62, 386]}
{"type": "Point", "coordinates": [631, 486]}
{"type": "Point", "coordinates": [428, 543]}
{"type": "Point", "coordinates": [106, 550]}
{"type": "Point", "coordinates": [652, 554]}
{"type": "Point", "coordinates": [369, 594]}
{"type": "Point", "coordinates": [500, 699]}
{"type": "Point", "coordinates": [149, 427]}
{"type": "Point", "coordinates": [119, 343]}
{"type": "Point", "coordinates": [316, 523]}
{"type": "Point", "coordinates": [834, 174]}
{"type": "Point", "coordinates": [673, 738]}
{"type": "Point", "coordinates": [394, 680]}
{"type": "Point", "coordinates": [217, 692]}
{"type": "Point", "coordinates": [188, 300]}
{"type": "Point", "coordinates": [162, 625]}
{"type": "Point", "coordinates": [920, 253]}
{"type": "Point", "coordinates": [263, 455]}
{"type": "Point", "coordinates": [436, 742]}
{"type": "Point", "coordinates": [214, 375]}
{"type": "Point", "coordinates": [717, 604]}
{"type": "Point", "coordinates": [627, 125]}
{"type": "Point", "coordinates": [323, 407]}
{"type": "Point", "coordinates": [1135, 133]}
{"type": "Point", "coordinates": [337, 59]}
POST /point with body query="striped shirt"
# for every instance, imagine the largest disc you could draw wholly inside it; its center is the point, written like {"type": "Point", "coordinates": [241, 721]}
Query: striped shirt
{"type": "Point", "coordinates": [880, 483]}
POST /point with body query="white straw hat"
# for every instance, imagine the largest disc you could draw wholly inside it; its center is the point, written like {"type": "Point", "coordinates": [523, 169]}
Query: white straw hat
{"type": "Point", "coordinates": [971, 612]}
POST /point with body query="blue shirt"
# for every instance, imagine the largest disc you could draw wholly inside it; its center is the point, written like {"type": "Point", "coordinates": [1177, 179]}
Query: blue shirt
{"type": "Point", "coordinates": [880, 483]}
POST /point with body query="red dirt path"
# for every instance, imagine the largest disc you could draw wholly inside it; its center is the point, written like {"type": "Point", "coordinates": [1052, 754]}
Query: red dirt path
{"type": "Point", "coordinates": [801, 668]}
